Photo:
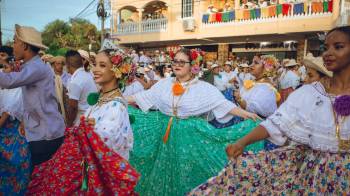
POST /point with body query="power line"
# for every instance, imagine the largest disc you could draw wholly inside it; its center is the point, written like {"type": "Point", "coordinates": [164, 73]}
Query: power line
{"type": "Point", "coordinates": [82, 11]}
{"type": "Point", "coordinates": [89, 12]}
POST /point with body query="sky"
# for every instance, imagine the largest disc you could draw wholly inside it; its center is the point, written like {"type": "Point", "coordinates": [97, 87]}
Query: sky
{"type": "Point", "coordinates": [38, 13]}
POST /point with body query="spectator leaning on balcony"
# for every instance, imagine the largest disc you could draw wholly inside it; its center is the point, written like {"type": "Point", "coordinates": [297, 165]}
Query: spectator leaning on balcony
{"type": "Point", "coordinates": [246, 4]}
{"type": "Point", "coordinates": [211, 9]}
{"type": "Point", "coordinates": [44, 125]}
{"type": "Point", "coordinates": [263, 3]}
{"type": "Point", "coordinates": [227, 7]}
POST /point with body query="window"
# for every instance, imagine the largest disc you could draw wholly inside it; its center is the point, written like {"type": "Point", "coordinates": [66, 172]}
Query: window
{"type": "Point", "coordinates": [187, 8]}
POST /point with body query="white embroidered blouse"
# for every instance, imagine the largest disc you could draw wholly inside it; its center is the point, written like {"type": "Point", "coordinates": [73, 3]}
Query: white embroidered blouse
{"type": "Point", "coordinates": [289, 79]}
{"type": "Point", "coordinates": [199, 98]}
{"type": "Point", "coordinates": [307, 117]}
{"type": "Point", "coordinates": [133, 88]}
{"type": "Point", "coordinates": [260, 99]}
{"type": "Point", "coordinates": [113, 126]}
{"type": "Point", "coordinates": [11, 102]}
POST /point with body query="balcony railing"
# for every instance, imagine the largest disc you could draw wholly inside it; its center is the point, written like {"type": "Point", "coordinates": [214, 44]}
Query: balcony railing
{"type": "Point", "coordinates": [273, 12]}
{"type": "Point", "coordinates": [128, 27]}
{"type": "Point", "coordinates": [154, 25]}
{"type": "Point", "coordinates": [157, 25]}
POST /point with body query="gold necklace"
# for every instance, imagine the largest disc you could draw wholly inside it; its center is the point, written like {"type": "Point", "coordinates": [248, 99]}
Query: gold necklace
{"type": "Point", "coordinates": [107, 97]}
{"type": "Point", "coordinates": [342, 144]}
{"type": "Point", "coordinates": [174, 108]}
{"type": "Point", "coordinates": [175, 105]}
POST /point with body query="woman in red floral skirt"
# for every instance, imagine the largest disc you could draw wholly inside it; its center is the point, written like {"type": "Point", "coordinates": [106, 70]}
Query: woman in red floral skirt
{"type": "Point", "coordinates": [93, 158]}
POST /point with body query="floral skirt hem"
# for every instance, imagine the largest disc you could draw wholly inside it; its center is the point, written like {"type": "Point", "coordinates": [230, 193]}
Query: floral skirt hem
{"type": "Point", "coordinates": [292, 170]}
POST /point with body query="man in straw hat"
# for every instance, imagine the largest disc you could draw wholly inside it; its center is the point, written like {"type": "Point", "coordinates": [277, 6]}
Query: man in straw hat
{"type": "Point", "coordinates": [289, 80]}
{"type": "Point", "coordinates": [315, 69]}
{"type": "Point", "coordinates": [244, 74]}
{"type": "Point", "coordinates": [44, 125]}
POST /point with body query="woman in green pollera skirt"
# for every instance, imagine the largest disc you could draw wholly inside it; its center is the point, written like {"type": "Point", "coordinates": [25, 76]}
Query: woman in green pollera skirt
{"type": "Point", "coordinates": [174, 149]}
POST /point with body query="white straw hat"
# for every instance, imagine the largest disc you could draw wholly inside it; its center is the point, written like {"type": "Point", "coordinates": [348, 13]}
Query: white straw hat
{"type": "Point", "coordinates": [317, 64]}
{"type": "Point", "coordinates": [214, 66]}
{"type": "Point", "coordinates": [84, 54]}
{"type": "Point", "coordinates": [291, 63]}
{"type": "Point", "coordinates": [228, 63]}
{"type": "Point", "coordinates": [29, 35]}
{"type": "Point", "coordinates": [244, 65]}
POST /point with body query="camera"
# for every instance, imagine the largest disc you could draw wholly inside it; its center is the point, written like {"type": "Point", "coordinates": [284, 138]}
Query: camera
{"type": "Point", "coordinates": [10, 60]}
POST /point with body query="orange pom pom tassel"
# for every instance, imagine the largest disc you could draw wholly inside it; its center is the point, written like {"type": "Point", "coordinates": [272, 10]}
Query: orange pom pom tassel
{"type": "Point", "coordinates": [178, 89]}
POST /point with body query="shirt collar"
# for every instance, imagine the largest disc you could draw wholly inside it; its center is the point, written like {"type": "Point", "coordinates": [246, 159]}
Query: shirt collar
{"type": "Point", "coordinates": [33, 59]}
{"type": "Point", "coordinates": [77, 71]}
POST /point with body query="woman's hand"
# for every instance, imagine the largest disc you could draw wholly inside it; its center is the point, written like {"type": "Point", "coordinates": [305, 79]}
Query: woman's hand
{"type": "Point", "coordinates": [130, 99]}
{"type": "Point", "coordinates": [91, 122]}
{"type": "Point", "coordinates": [249, 115]}
{"type": "Point", "coordinates": [234, 150]}
{"type": "Point", "coordinates": [21, 129]}
{"type": "Point", "coordinates": [244, 114]}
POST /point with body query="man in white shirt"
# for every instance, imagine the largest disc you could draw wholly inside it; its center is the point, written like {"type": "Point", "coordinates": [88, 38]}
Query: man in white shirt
{"type": "Point", "coordinates": [219, 80]}
{"type": "Point", "coordinates": [134, 57]}
{"type": "Point", "coordinates": [230, 79]}
{"type": "Point", "coordinates": [244, 75]}
{"type": "Point", "coordinates": [79, 87]}
{"type": "Point", "coordinates": [229, 74]}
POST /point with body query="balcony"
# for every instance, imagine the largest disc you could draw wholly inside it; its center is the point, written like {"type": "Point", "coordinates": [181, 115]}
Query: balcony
{"type": "Point", "coordinates": [273, 13]}
{"type": "Point", "coordinates": [128, 28]}
{"type": "Point", "coordinates": [147, 26]}
{"type": "Point", "coordinates": [157, 25]}
{"type": "Point", "coordinates": [289, 21]}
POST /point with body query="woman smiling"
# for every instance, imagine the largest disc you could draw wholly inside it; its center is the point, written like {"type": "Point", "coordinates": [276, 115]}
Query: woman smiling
{"type": "Point", "coordinates": [175, 149]}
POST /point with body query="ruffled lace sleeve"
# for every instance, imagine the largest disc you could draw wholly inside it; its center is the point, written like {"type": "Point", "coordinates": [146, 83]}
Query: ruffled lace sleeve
{"type": "Point", "coordinates": [150, 98]}
{"type": "Point", "coordinates": [262, 100]}
{"type": "Point", "coordinates": [290, 120]}
{"type": "Point", "coordinates": [11, 102]}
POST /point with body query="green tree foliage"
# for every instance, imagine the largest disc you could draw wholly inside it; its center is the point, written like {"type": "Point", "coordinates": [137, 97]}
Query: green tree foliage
{"type": "Point", "coordinates": [60, 36]}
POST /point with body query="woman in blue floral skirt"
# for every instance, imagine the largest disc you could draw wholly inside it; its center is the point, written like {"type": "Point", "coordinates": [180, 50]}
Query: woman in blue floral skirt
{"type": "Point", "coordinates": [14, 152]}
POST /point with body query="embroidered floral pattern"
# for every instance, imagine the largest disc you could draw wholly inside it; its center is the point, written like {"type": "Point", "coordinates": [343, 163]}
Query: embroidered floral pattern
{"type": "Point", "coordinates": [14, 160]}
{"type": "Point", "coordinates": [292, 170]}
{"type": "Point", "coordinates": [108, 173]}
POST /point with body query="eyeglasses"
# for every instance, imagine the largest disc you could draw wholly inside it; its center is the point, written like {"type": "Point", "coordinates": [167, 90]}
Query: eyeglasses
{"type": "Point", "coordinates": [180, 63]}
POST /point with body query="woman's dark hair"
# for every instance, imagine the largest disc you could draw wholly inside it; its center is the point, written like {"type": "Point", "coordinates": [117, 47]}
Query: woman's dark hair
{"type": "Point", "coordinates": [74, 58]}
{"type": "Point", "coordinates": [321, 74]}
{"type": "Point", "coordinates": [186, 52]}
{"type": "Point", "coordinates": [160, 70]}
{"type": "Point", "coordinates": [343, 29]}
{"type": "Point", "coordinates": [7, 49]}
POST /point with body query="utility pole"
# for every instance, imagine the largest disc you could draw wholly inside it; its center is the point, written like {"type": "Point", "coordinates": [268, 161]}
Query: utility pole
{"type": "Point", "coordinates": [101, 13]}
{"type": "Point", "coordinates": [0, 26]}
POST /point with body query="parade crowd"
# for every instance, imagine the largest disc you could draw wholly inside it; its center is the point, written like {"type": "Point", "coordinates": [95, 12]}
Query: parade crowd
{"type": "Point", "coordinates": [170, 122]}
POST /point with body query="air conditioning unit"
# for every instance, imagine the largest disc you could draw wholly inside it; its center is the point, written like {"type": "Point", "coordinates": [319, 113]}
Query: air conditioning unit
{"type": "Point", "coordinates": [344, 18]}
{"type": "Point", "coordinates": [189, 24]}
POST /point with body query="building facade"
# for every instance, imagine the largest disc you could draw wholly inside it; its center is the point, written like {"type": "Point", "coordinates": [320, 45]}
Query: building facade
{"type": "Point", "coordinates": [291, 27]}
